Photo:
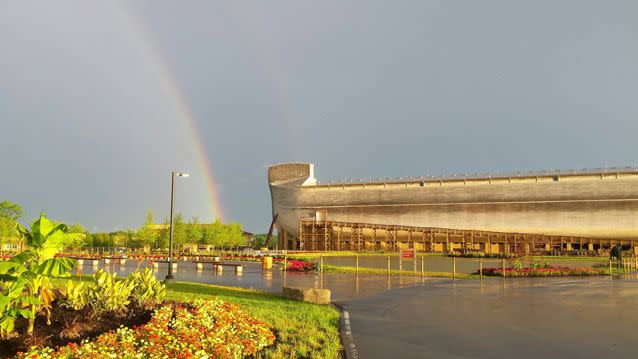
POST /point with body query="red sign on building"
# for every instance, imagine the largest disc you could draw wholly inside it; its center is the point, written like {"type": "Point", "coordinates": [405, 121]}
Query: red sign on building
{"type": "Point", "coordinates": [407, 253]}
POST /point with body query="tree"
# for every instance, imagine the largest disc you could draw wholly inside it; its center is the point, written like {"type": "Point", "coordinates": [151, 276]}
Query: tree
{"type": "Point", "coordinates": [147, 234]}
{"type": "Point", "coordinates": [207, 235]}
{"type": "Point", "coordinates": [221, 235]}
{"type": "Point", "coordinates": [132, 240]}
{"type": "Point", "coordinates": [194, 231]}
{"type": "Point", "coordinates": [9, 214]}
{"type": "Point", "coordinates": [7, 230]}
{"type": "Point", "coordinates": [77, 241]}
{"type": "Point", "coordinates": [10, 210]}
{"type": "Point", "coordinates": [100, 240]}
{"type": "Point", "coordinates": [259, 240]}
{"type": "Point", "coordinates": [162, 238]}
{"type": "Point", "coordinates": [120, 238]}
{"type": "Point", "coordinates": [179, 230]}
{"type": "Point", "coordinates": [235, 235]}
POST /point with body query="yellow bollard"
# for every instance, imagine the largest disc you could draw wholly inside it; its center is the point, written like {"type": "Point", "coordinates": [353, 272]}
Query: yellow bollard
{"type": "Point", "coordinates": [266, 262]}
{"type": "Point", "coordinates": [481, 267]}
{"type": "Point", "coordinates": [453, 267]}
{"type": "Point", "coordinates": [422, 266]}
{"type": "Point", "coordinates": [356, 260]}
{"type": "Point", "coordinates": [388, 265]}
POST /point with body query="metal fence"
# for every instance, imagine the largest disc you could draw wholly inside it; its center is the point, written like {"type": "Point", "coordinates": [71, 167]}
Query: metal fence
{"type": "Point", "coordinates": [458, 266]}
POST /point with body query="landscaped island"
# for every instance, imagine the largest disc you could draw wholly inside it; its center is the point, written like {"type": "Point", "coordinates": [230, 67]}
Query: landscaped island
{"type": "Point", "coordinates": [44, 312]}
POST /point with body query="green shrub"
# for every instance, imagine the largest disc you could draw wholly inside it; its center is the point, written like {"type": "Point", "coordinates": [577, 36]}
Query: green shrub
{"type": "Point", "coordinates": [106, 294]}
{"type": "Point", "coordinates": [26, 287]}
{"type": "Point", "coordinates": [76, 296]}
{"type": "Point", "coordinates": [148, 291]}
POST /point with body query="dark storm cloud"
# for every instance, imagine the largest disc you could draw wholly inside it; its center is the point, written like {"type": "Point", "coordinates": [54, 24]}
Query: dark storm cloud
{"type": "Point", "coordinates": [364, 88]}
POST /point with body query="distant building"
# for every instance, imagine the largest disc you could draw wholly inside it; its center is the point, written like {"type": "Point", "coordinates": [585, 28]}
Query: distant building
{"type": "Point", "coordinates": [10, 246]}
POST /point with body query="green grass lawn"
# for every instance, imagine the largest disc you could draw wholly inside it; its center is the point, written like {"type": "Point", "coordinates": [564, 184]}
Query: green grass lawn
{"type": "Point", "coordinates": [405, 272]}
{"type": "Point", "coordinates": [314, 256]}
{"type": "Point", "coordinates": [303, 330]}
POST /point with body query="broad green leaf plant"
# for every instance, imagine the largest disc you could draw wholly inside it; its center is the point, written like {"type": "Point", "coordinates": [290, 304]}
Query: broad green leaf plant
{"type": "Point", "coordinates": [26, 277]}
{"type": "Point", "coordinates": [106, 294]}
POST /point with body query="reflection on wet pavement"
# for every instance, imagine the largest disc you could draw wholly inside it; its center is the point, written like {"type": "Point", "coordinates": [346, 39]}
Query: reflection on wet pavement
{"type": "Point", "coordinates": [496, 318]}
{"type": "Point", "coordinates": [445, 264]}
{"type": "Point", "coordinates": [414, 317]}
{"type": "Point", "coordinates": [344, 286]}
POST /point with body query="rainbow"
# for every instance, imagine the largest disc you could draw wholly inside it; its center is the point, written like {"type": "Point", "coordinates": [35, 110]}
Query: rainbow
{"type": "Point", "coordinates": [180, 105]}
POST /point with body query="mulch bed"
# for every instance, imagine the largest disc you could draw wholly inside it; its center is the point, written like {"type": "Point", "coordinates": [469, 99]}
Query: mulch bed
{"type": "Point", "coordinates": [68, 326]}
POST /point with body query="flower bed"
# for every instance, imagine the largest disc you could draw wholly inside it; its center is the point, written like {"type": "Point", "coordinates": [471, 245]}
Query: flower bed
{"type": "Point", "coordinates": [209, 328]}
{"type": "Point", "coordinates": [292, 265]}
{"type": "Point", "coordinates": [300, 266]}
{"type": "Point", "coordinates": [479, 254]}
{"type": "Point", "coordinates": [547, 271]}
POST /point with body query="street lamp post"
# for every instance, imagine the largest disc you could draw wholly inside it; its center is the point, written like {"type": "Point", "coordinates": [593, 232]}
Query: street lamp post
{"type": "Point", "coordinates": [174, 174]}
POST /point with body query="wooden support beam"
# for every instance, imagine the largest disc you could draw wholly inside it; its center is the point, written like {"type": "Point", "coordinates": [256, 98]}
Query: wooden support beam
{"type": "Point", "coordinates": [374, 239]}
{"type": "Point", "coordinates": [423, 233]}
{"type": "Point", "coordinates": [431, 239]}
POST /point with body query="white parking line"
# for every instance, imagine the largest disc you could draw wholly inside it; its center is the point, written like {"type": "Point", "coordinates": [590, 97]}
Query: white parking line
{"type": "Point", "coordinates": [348, 340]}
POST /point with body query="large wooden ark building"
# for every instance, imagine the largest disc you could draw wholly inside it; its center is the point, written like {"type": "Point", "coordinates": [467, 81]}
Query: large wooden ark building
{"type": "Point", "coordinates": [586, 210]}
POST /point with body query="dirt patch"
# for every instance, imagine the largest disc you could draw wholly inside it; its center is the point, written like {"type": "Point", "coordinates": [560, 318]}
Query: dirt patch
{"type": "Point", "coordinates": [69, 326]}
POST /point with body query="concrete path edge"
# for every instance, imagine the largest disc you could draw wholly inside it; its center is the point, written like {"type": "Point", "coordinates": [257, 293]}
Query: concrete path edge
{"type": "Point", "coordinates": [347, 341]}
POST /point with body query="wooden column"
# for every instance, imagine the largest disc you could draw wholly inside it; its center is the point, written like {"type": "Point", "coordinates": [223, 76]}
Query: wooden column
{"type": "Point", "coordinates": [374, 239]}
{"type": "Point", "coordinates": [431, 239]}
{"type": "Point", "coordinates": [423, 233]}
{"type": "Point", "coordinates": [363, 239]}
{"type": "Point", "coordinates": [489, 244]}
{"type": "Point", "coordinates": [301, 234]}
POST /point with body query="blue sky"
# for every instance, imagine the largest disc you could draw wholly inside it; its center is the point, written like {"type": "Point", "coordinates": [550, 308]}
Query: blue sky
{"type": "Point", "coordinates": [360, 88]}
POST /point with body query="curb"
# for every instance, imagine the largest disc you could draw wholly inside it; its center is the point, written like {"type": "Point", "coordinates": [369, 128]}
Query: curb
{"type": "Point", "coordinates": [349, 347]}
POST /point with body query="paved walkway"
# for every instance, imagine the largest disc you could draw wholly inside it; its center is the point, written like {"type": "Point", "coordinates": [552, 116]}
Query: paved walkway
{"type": "Point", "coordinates": [521, 318]}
